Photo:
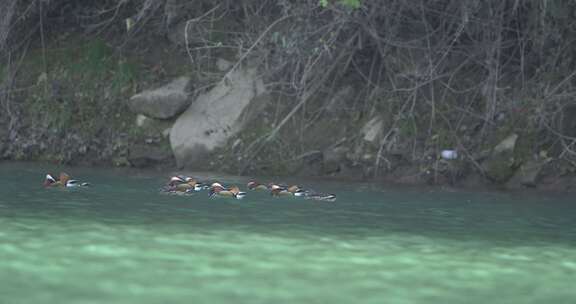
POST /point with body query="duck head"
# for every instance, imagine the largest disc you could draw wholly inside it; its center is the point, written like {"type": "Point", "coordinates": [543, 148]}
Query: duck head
{"type": "Point", "coordinates": [190, 180]}
{"type": "Point", "coordinates": [278, 191]}
{"type": "Point", "coordinates": [293, 189]}
{"type": "Point", "coordinates": [275, 187]}
{"type": "Point", "coordinates": [256, 186]}
{"type": "Point", "coordinates": [235, 190]}
{"type": "Point", "coordinates": [49, 180]}
{"type": "Point", "coordinates": [216, 188]}
{"type": "Point", "coordinates": [175, 180]}
{"type": "Point", "coordinates": [64, 178]}
{"type": "Point", "coordinates": [216, 185]}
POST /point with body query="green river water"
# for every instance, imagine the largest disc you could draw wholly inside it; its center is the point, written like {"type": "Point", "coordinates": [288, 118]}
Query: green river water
{"type": "Point", "coordinates": [121, 241]}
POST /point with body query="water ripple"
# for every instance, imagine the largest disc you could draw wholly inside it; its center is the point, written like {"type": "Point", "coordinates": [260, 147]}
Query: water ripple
{"type": "Point", "coordinates": [122, 242]}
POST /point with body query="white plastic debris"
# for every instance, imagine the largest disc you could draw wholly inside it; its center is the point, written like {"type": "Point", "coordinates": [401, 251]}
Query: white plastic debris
{"type": "Point", "coordinates": [449, 154]}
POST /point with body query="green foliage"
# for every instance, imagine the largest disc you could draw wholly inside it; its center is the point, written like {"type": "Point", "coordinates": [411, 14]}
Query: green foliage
{"type": "Point", "coordinates": [2, 73]}
{"type": "Point", "coordinates": [80, 89]}
{"type": "Point", "coordinates": [406, 125]}
{"type": "Point", "coordinates": [349, 3]}
{"type": "Point", "coordinates": [97, 56]}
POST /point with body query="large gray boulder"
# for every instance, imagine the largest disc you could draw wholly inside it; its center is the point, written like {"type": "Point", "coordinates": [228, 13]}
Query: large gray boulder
{"type": "Point", "coordinates": [500, 166]}
{"type": "Point", "coordinates": [506, 145]}
{"type": "Point", "coordinates": [154, 127]}
{"type": "Point", "coordinates": [214, 117]}
{"type": "Point", "coordinates": [164, 102]}
{"type": "Point", "coordinates": [372, 130]}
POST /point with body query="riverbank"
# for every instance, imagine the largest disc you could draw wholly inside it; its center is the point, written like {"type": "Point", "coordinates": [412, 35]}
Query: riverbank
{"type": "Point", "coordinates": [247, 96]}
{"type": "Point", "coordinates": [80, 113]}
{"type": "Point", "coordinates": [548, 186]}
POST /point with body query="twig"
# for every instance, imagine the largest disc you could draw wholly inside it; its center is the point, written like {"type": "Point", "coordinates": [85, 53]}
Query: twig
{"type": "Point", "coordinates": [186, 30]}
{"type": "Point", "coordinates": [235, 66]}
{"type": "Point", "coordinates": [44, 61]}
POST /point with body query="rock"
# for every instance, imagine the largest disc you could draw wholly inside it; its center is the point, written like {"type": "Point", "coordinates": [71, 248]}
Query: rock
{"type": "Point", "coordinates": [141, 120]}
{"type": "Point", "coordinates": [372, 130]}
{"type": "Point", "coordinates": [499, 168]}
{"type": "Point", "coordinates": [215, 116]}
{"type": "Point", "coordinates": [527, 175]}
{"type": "Point", "coordinates": [334, 160]}
{"type": "Point", "coordinates": [120, 161]}
{"type": "Point", "coordinates": [141, 156]}
{"type": "Point", "coordinates": [164, 102]}
{"type": "Point", "coordinates": [506, 145]}
{"type": "Point", "coordinates": [154, 127]}
{"type": "Point", "coordinates": [309, 164]}
{"type": "Point", "coordinates": [501, 165]}
{"type": "Point", "coordinates": [223, 65]}
{"type": "Point", "coordinates": [368, 157]}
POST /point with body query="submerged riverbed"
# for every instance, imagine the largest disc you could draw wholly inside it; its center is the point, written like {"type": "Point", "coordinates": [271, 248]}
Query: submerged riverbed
{"type": "Point", "coordinates": [121, 241]}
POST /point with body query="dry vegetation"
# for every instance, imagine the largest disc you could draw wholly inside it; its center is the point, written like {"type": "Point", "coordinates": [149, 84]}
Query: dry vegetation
{"type": "Point", "coordinates": [442, 74]}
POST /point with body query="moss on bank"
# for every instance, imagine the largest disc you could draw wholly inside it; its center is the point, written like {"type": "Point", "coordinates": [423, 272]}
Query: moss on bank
{"type": "Point", "coordinates": [79, 84]}
{"type": "Point", "coordinates": [74, 109]}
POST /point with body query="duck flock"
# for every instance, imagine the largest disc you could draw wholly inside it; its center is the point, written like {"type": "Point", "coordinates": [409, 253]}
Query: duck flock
{"type": "Point", "coordinates": [186, 185]}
